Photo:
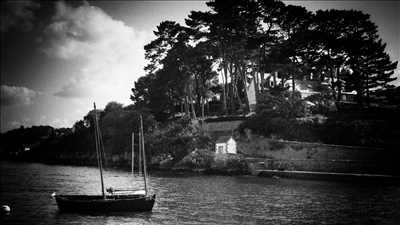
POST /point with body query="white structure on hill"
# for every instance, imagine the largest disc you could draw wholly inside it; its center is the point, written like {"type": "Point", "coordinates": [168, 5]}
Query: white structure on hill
{"type": "Point", "coordinates": [251, 95]}
{"type": "Point", "coordinates": [225, 145]}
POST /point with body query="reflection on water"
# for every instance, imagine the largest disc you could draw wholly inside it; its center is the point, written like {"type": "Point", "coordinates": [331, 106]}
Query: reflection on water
{"type": "Point", "coordinates": [197, 199]}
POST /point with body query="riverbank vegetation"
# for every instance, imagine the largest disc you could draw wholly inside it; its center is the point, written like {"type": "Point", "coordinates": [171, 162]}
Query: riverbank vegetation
{"type": "Point", "coordinates": [285, 117]}
{"type": "Point", "coordinates": [204, 68]}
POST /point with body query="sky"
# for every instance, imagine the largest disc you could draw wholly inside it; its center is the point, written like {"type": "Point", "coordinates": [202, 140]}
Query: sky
{"type": "Point", "coordinates": [57, 58]}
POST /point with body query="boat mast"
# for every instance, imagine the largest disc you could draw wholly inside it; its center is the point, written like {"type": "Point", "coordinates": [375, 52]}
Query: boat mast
{"type": "Point", "coordinates": [133, 153]}
{"type": "Point", "coordinates": [140, 154]}
{"type": "Point", "coordinates": [97, 139]}
{"type": "Point", "coordinates": [144, 156]}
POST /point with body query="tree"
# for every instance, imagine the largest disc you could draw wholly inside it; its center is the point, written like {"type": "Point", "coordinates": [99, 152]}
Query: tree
{"type": "Point", "coordinates": [295, 22]}
{"type": "Point", "coordinates": [371, 68]}
{"type": "Point", "coordinates": [283, 104]}
{"type": "Point", "coordinates": [141, 92]}
{"type": "Point", "coordinates": [113, 106]}
{"type": "Point", "coordinates": [248, 40]}
{"type": "Point", "coordinates": [251, 38]}
{"type": "Point", "coordinates": [226, 28]}
{"type": "Point", "coordinates": [165, 80]}
{"type": "Point", "coordinates": [177, 74]}
{"type": "Point", "coordinates": [346, 49]}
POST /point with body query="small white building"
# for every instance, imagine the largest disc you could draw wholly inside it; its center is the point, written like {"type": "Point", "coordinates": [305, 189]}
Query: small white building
{"type": "Point", "coordinates": [225, 145]}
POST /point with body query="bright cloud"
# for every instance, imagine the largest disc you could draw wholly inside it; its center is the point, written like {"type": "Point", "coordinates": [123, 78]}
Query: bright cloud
{"type": "Point", "coordinates": [112, 52]}
{"type": "Point", "coordinates": [15, 95]}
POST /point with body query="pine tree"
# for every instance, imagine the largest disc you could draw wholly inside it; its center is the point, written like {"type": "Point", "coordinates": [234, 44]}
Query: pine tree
{"type": "Point", "coordinates": [372, 69]}
{"type": "Point", "coordinates": [346, 49]}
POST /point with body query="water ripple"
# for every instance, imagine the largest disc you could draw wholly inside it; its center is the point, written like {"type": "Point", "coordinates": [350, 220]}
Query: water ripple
{"type": "Point", "coordinates": [197, 199]}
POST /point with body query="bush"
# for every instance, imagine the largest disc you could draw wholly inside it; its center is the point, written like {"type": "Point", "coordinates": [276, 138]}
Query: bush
{"type": "Point", "coordinates": [284, 104]}
{"type": "Point", "coordinates": [177, 138]}
{"type": "Point", "coordinates": [228, 163]}
{"type": "Point", "coordinates": [377, 133]}
{"type": "Point", "coordinates": [357, 132]}
{"type": "Point", "coordinates": [282, 128]}
{"type": "Point", "coordinates": [198, 159]}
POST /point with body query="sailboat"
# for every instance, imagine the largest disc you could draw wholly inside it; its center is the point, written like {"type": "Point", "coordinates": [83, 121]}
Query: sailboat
{"type": "Point", "coordinates": [127, 201]}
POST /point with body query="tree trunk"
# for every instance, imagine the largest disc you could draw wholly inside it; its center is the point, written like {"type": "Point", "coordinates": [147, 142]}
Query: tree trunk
{"type": "Point", "coordinates": [339, 85]}
{"type": "Point", "coordinates": [236, 92]}
{"type": "Point", "coordinates": [367, 100]}
{"type": "Point", "coordinates": [243, 76]}
{"type": "Point", "coordinates": [333, 85]}
{"type": "Point", "coordinates": [231, 89]}
{"type": "Point", "coordinates": [262, 81]}
{"type": "Point", "coordinates": [198, 94]}
{"type": "Point", "coordinates": [359, 88]}
{"type": "Point", "coordinates": [192, 106]}
{"type": "Point", "coordinates": [293, 85]}
{"type": "Point", "coordinates": [225, 85]}
{"type": "Point", "coordinates": [187, 110]}
{"type": "Point", "coordinates": [202, 107]}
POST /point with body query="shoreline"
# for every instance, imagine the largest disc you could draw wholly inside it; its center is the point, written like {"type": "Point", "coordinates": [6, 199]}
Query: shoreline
{"type": "Point", "coordinates": [273, 174]}
{"type": "Point", "coordinates": [314, 175]}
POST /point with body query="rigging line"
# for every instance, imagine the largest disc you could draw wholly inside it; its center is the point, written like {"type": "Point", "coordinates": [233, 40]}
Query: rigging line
{"type": "Point", "coordinates": [99, 140]}
{"type": "Point", "coordinates": [101, 144]}
{"type": "Point", "coordinates": [97, 150]}
{"type": "Point", "coordinates": [101, 151]}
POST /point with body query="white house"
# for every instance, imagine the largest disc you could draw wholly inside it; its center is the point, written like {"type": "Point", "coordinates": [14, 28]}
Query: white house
{"type": "Point", "coordinates": [225, 145]}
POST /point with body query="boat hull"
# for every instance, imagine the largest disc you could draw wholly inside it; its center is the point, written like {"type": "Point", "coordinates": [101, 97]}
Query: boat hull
{"type": "Point", "coordinates": [113, 203]}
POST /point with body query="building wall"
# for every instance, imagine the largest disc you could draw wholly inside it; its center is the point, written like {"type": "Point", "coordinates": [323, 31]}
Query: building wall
{"type": "Point", "coordinates": [225, 148]}
{"type": "Point", "coordinates": [231, 146]}
{"type": "Point", "coordinates": [220, 148]}
{"type": "Point", "coordinates": [222, 126]}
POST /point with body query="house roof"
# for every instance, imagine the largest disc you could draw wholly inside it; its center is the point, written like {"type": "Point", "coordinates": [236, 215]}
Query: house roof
{"type": "Point", "coordinates": [223, 139]}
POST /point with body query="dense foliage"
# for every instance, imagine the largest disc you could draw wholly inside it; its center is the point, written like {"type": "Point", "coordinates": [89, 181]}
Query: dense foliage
{"type": "Point", "coordinates": [362, 127]}
{"type": "Point", "coordinates": [283, 104]}
{"type": "Point", "coordinates": [263, 41]}
{"type": "Point", "coordinates": [177, 138]}
{"type": "Point", "coordinates": [172, 140]}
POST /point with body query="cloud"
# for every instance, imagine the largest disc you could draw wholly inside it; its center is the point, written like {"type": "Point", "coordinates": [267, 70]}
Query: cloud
{"type": "Point", "coordinates": [112, 52]}
{"type": "Point", "coordinates": [18, 13]}
{"type": "Point", "coordinates": [57, 122]}
{"type": "Point", "coordinates": [75, 88]}
{"type": "Point", "coordinates": [14, 95]}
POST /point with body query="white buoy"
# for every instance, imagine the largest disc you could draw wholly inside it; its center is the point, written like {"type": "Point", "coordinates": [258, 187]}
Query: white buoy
{"type": "Point", "coordinates": [5, 209]}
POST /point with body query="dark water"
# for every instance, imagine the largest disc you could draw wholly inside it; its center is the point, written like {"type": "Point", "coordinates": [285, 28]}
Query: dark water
{"type": "Point", "coordinates": [198, 199]}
